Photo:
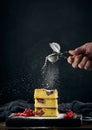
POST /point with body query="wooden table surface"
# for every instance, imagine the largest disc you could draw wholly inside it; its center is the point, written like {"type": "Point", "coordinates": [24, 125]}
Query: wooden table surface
{"type": "Point", "coordinates": [85, 125]}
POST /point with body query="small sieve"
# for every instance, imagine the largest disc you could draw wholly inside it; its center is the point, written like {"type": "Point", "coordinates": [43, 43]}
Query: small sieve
{"type": "Point", "coordinates": [56, 55]}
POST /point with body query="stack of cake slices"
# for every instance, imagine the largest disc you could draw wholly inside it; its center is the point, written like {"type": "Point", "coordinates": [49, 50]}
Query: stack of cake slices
{"type": "Point", "coordinates": [46, 102]}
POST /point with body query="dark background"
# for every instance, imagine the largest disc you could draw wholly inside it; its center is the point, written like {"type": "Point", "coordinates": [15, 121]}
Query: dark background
{"type": "Point", "coordinates": [27, 28]}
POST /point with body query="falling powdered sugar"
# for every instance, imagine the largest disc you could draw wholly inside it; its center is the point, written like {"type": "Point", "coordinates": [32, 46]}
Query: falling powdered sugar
{"type": "Point", "coordinates": [50, 71]}
{"type": "Point", "coordinates": [50, 76]}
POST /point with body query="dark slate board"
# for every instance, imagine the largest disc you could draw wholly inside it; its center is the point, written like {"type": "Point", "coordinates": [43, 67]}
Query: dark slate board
{"type": "Point", "coordinates": [13, 121]}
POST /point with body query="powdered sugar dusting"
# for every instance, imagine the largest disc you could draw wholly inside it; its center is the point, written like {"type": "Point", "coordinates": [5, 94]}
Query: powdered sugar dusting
{"type": "Point", "coordinates": [50, 76]}
{"type": "Point", "coordinates": [50, 71]}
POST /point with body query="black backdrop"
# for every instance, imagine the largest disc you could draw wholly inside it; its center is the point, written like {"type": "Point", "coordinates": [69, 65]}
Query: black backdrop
{"type": "Point", "coordinates": [28, 26]}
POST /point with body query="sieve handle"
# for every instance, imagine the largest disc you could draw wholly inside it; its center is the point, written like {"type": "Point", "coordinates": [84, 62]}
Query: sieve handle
{"type": "Point", "coordinates": [64, 55]}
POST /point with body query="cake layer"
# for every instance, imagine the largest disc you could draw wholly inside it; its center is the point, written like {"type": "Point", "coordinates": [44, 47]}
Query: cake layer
{"type": "Point", "coordinates": [46, 112]}
{"type": "Point", "coordinates": [47, 103]}
{"type": "Point", "coordinates": [44, 93]}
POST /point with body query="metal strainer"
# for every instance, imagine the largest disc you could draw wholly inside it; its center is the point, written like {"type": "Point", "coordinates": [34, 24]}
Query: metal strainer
{"type": "Point", "coordinates": [56, 55]}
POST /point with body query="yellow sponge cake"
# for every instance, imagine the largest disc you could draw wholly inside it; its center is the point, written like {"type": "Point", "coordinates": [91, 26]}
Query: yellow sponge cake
{"type": "Point", "coordinates": [46, 112]}
{"type": "Point", "coordinates": [47, 103]}
{"type": "Point", "coordinates": [44, 93]}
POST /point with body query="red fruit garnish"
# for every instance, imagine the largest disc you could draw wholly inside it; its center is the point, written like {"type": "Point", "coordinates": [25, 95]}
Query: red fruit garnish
{"type": "Point", "coordinates": [27, 112]}
{"type": "Point", "coordinates": [65, 115]}
{"type": "Point", "coordinates": [69, 114]}
{"type": "Point", "coordinates": [40, 100]}
{"type": "Point", "coordinates": [39, 113]}
{"type": "Point", "coordinates": [49, 92]}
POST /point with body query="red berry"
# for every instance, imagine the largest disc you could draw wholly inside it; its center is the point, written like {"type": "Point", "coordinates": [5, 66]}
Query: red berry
{"type": "Point", "coordinates": [69, 114]}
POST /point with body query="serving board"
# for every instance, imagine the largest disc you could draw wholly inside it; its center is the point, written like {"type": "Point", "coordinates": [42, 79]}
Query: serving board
{"type": "Point", "coordinates": [59, 121]}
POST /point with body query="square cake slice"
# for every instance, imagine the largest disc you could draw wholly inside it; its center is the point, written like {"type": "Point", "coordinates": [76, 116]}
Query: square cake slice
{"type": "Point", "coordinates": [46, 112]}
{"type": "Point", "coordinates": [44, 93]}
{"type": "Point", "coordinates": [47, 103]}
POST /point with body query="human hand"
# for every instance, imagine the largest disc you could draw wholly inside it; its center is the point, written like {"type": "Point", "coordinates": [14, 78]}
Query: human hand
{"type": "Point", "coordinates": [81, 57]}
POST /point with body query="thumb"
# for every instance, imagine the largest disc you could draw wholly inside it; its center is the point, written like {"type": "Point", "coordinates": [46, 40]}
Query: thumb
{"type": "Point", "coordinates": [77, 51]}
